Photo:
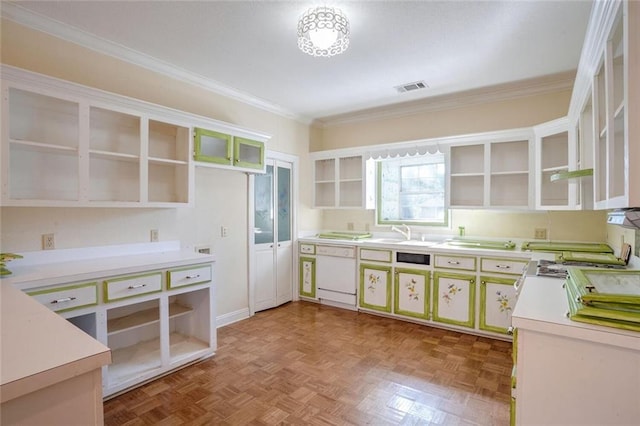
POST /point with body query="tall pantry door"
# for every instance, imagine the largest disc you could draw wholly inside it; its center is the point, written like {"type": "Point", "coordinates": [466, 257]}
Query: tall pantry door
{"type": "Point", "coordinates": [272, 236]}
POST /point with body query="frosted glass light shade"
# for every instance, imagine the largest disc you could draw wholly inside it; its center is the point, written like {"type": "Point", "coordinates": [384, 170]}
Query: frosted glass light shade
{"type": "Point", "coordinates": [323, 31]}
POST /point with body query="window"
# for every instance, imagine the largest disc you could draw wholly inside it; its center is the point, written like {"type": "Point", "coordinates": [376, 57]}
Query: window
{"type": "Point", "coordinates": [412, 190]}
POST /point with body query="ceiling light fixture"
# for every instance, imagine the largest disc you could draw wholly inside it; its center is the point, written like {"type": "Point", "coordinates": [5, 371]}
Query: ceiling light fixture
{"type": "Point", "coordinates": [323, 31]}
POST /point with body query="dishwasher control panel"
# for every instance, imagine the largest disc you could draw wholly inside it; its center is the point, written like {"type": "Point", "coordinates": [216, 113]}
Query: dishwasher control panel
{"type": "Point", "coordinates": [337, 251]}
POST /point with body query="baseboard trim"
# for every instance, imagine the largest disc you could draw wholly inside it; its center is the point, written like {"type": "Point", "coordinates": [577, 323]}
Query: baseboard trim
{"type": "Point", "coordinates": [232, 317]}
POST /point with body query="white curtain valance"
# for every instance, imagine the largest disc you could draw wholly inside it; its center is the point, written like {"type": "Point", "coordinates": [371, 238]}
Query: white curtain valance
{"type": "Point", "coordinates": [402, 151]}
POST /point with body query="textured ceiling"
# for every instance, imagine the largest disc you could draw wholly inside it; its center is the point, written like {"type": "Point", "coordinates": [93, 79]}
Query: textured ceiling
{"type": "Point", "coordinates": [251, 48]}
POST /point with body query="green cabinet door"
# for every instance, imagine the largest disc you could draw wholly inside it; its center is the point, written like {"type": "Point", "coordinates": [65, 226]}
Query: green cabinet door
{"type": "Point", "coordinates": [213, 147]}
{"type": "Point", "coordinates": [411, 292]}
{"type": "Point", "coordinates": [497, 299]}
{"type": "Point", "coordinates": [454, 298]}
{"type": "Point", "coordinates": [248, 153]}
{"type": "Point", "coordinates": [307, 277]}
{"type": "Point", "coordinates": [375, 287]}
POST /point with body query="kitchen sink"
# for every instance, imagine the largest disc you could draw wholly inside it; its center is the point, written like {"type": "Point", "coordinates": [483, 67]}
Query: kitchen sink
{"type": "Point", "coordinates": [482, 244]}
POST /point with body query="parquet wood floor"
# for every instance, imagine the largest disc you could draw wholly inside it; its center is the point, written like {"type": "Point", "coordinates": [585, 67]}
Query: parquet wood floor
{"type": "Point", "coordinates": [310, 364]}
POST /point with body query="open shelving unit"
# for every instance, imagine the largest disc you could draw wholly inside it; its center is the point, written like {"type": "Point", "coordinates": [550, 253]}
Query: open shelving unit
{"type": "Point", "coordinates": [339, 182]}
{"type": "Point", "coordinates": [64, 145]}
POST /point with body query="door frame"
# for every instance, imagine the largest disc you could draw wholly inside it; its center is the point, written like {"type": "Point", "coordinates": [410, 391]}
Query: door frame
{"type": "Point", "coordinates": [293, 160]}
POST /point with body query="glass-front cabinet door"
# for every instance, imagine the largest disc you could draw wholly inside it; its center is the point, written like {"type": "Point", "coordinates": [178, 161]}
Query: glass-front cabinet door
{"type": "Point", "coordinates": [248, 153]}
{"type": "Point", "coordinates": [213, 147]}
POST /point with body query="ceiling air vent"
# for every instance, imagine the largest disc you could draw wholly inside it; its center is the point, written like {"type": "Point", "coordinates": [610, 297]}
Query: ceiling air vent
{"type": "Point", "coordinates": [409, 87]}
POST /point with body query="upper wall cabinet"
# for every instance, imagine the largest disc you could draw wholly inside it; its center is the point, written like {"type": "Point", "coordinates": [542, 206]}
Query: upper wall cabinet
{"type": "Point", "coordinates": [552, 160]}
{"type": "Point", "coordinates": [494, 173]}
{"type": "Point", "coordinates": [338, 182]}
{"type": "Point", "coordinates": [63, 150]}
{"type": "Point", "coordinates": [224, 149]}
{"type": "Point", "coordinates": [608, 93]}
{"type": "Point", "coordinates": [69, 145]}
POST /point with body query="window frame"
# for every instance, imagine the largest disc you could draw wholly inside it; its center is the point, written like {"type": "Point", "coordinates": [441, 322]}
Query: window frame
{"type": "Point", "coordinates": [378, 191]}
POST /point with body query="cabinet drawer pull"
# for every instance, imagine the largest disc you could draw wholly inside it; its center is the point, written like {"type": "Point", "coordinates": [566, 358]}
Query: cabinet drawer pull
{"type": "Point", "coordinates": [503, 266]}
{"type": "Point", "coordinates": [64, 299]}
{"type": "Point", "coordinates": [190, 277]}
{"type": "Point", "coordinates": [453, 262]}
{"type": "Point", "coordinates": [510, 331]}
{"type": "Point", "coordinates": [134, 286]}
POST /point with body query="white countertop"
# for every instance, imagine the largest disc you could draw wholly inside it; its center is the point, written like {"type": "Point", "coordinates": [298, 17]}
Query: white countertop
{"type": "Point", "coordinates": [542, 307]}
{"type": "Point", "coordinates": [39, 348]}
{"type": "Point", "coordinates": [64, 266]}
{"type": "Point", "coordinates": [428, 246]}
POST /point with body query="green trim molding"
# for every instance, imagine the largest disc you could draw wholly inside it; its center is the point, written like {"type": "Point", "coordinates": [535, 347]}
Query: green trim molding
{"type": "Point", "coordinates": [69, 287]}
{"type": "Point", "coordinates": [199, 156]}
{"type": "Point", "coordinates": [191, 268]}
{"type": "Point", "coordinates": [483, 303]}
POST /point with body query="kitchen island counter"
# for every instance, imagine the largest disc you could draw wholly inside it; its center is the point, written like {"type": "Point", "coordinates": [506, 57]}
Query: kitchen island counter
{"type": "Point", "coordinates": [50, 370]}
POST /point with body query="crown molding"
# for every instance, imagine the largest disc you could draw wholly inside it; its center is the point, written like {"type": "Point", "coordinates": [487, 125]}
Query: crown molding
{"type": "Point", "coordinates": [14, 12]}
{"type": "Point", "coordinates": [502, 92]}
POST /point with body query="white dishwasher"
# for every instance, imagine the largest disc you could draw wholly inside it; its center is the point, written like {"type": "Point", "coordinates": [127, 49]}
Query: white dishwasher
{"type": "Point", "coordinates": [336, 275]}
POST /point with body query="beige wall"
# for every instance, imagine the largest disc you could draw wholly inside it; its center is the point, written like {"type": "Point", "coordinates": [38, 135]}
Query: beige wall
{"type": "Point", "coordinates": [491, 116]}
{"type": "Point", "coordinates": [221, 195]}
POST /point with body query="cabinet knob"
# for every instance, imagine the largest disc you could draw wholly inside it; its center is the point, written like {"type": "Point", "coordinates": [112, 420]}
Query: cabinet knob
{"type": "Point", "coordinates": [510, 331]}
{"type": "Point", "coordinates": [483, 282]}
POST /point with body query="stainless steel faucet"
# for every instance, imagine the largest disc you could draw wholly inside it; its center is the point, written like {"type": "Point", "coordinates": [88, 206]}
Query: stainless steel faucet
{"type": "Point", "coordinates": [406, 232]}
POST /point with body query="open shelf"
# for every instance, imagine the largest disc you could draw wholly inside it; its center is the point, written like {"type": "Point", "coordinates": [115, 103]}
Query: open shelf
{"type": "Point", "coordinates": [114, 132]}
{"type": "Point", "coordinates": [168, 142]}
{"type": "Point", "coordinates": [182, 347]}
{"type": "Point", "coordinates": [144, 317]}
{"type": "Point", "coordinates": [43, 119]}
{"type": "Point", "coordinates": [130, 362]}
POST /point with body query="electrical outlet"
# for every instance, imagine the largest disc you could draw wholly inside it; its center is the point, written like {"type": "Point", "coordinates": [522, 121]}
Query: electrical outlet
{"type": "Point", "coordinates": [540, 234]}
{"type": "Point", "coordinates": [48, 242]}
{"type": "Point", "coordinates": [224, 231]}
{"type": "Point", "coordinates": [154, 236]}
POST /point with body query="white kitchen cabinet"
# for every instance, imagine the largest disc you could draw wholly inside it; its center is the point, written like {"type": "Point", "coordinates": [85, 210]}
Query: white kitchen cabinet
{"type": "Point", "coordinates": [560, 179]}
{"type": "Point", "coordinates": [493, 172]}
{"type": "Point", "coordinates": [607, 91]}
{"type": "Point", "coordinates": [339, 182]}
{"type": "Point", "coordinates": [273, 247]}
{"type": "Point", "coordinates": [497, 300]}
{"type": "Point", "coordinates": [375, 287]}
{"type": "Point", "coordinates": [66, 145]}
{"type": "Point", "coordinates": [307, 279]}
{"type": "Point", "coordinates": [412, 292]}
{"type": "Point", "coordinates": [454, 298]}
{"type": "Point", "coordinates": [154, 319]}
{"type": "Point", "coordinates": [571, 373]}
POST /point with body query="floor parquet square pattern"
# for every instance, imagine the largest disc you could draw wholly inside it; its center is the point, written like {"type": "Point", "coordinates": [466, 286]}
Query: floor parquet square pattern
{"type": "Point", "coordinates": [310, 364]}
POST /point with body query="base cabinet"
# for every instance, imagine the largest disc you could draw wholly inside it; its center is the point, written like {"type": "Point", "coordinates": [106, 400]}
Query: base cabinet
{"type": "Point", "coordinates": [412, 289]}
{"type": "Point", "coordinates": [307, 266]}
{"type": "Point", "coordinates": [153, 321]}
{"type": "Point", "coordinates": [497, 300]}
{"type": "Point", "coordinates": [454, 298]}
{"type": "Point", "coordinates": [375, 287]}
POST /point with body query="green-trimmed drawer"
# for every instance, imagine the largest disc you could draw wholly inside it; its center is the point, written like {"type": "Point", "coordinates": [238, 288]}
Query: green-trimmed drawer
{"type": "Point", "coordinates": [131, 286]}
{"type": "Point", "coordinates": [188, 276]}
{"type": "Point", "coordinates": [503, 265]}
{"type": "Point", "coordinates": [465, 263]}
{"type": "Point", "coordinates": [67, 298]}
